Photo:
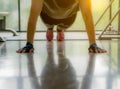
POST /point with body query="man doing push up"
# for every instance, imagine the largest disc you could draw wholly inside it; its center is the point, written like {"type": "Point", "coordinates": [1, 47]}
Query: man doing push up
{"type": "Point", "coordinates": [61, 13]}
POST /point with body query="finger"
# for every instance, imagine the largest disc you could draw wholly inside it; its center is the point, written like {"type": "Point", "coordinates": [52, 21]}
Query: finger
{"type": "Point", "coordinates": [31, 51]}
{"type": "Point", "coordinates": [90, 51]}
{"type": "Point", "coordinates": [102, 51]}
{"type": "Point", "coordinates": [23, 51]}
{"type": "Point", "coordinates": [105, 51]}
{"type": "Point", "coordinates": [96, 51]}
{"type": "Point", "coordinates": [19, 51]}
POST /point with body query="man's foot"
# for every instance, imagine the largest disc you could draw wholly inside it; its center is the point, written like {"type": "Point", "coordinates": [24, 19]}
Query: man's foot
{"type": "Point", "coordinates": [27, 49]}
{"type": "Point", "coordinates": [95, 49]}
{"type": "Point", "coordinates": [49, 34]}
{"type": "Point", "coordinates": [60, 35]}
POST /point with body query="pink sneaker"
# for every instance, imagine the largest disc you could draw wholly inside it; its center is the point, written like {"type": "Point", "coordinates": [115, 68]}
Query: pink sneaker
{"type": "Point", "coordinates": [49, 34]}
{"type": "Point", "coordinates": [60, 36]}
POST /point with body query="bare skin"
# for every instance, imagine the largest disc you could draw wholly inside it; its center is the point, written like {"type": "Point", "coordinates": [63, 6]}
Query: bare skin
{"type": "Point", "coordinates": [85, 7]}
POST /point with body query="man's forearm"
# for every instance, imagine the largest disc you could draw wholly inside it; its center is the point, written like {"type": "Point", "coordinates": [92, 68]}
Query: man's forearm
{"type": "Point", "coordinates": [36, 7]}
{"type": "Point", "coordinates": [89, 27]}
{"type": "Point", "coordinates": [85, 6]}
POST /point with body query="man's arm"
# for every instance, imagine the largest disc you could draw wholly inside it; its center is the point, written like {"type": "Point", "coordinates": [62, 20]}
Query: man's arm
{"type": "Point", "coordinates": [35, 10]}
{"type": "Point", "coordinates": [85, 7]}
{"type": "Point", "coordinates": [36, 7]}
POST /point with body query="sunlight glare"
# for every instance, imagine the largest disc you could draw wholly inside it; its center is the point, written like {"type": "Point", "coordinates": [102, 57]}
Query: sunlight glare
{"type": "Point", "coordinates": [99, 4]}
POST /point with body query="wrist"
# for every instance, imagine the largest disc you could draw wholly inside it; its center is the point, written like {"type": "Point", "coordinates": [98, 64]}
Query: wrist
{"type": "Point", "coordinates": [93, 45]}
{"type": "Point", "coordinates": [29, 44]}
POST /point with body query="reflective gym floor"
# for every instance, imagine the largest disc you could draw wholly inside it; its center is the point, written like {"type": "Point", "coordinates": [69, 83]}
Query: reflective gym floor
{"type": "Point", "coordinates": [60, 65]}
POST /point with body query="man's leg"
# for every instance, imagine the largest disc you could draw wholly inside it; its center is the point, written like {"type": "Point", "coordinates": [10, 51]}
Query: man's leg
{"type": "Point", "coordinates": [49, 22]}
{"type": "Point", "coordinates": [60, 33]}
{"type": "Point", "coordinates": [65, 23]}
{"type": "Point", "coordinates": [49, 33]}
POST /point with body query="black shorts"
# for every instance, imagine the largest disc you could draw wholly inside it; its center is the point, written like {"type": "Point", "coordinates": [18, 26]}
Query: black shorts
{"type": "Point", "coordinates": [67, 22]}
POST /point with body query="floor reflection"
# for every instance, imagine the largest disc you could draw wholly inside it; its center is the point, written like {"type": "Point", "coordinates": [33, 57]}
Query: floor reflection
{"type": "Point", "coordinates": [2, 49]}
{"type": "Point", "coordinates": [59, 65]}
{"type": "Point", "coordinates": [87, 79]}
{"type": "Point", "coordinates": [34, 81]}
{"type": "Point", "coordinates": [54, 76]}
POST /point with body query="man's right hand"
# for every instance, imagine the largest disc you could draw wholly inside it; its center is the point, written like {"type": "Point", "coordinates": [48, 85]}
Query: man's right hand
{"type": "Point", "coordinates": [27, 49]}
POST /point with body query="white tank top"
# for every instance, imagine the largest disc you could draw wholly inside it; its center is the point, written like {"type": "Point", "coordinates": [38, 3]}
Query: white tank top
{"type": "Point", "coordinates": [60, 9]}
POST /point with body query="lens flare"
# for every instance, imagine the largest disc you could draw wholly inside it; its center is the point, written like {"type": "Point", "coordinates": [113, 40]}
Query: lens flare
{"type": "Point", "coordinates": [99, 4]}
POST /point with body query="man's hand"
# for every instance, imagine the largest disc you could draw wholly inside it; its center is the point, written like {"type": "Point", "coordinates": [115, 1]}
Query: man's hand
{"type": "Point", "coordinates": [95, 49]}
{"type": "Point", "coordinates": [27, 49]}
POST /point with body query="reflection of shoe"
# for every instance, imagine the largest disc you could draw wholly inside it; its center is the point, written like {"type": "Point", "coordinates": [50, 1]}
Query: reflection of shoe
{"type": "Point", "coordinates": [50, 48]}
{"type": "Point", "coordinates": [60, 36]}
{"type": "Point", "coordinates": [49, 34]}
